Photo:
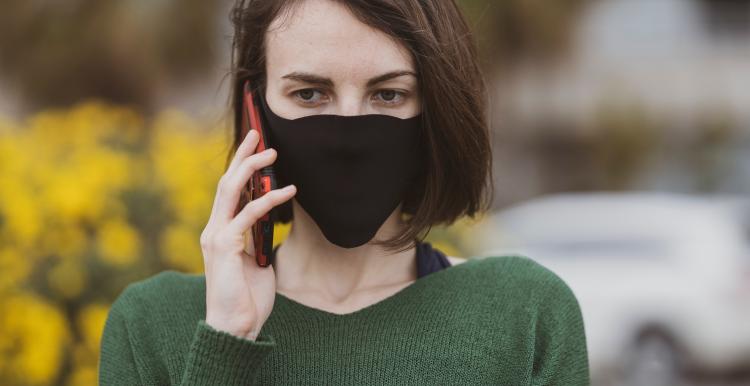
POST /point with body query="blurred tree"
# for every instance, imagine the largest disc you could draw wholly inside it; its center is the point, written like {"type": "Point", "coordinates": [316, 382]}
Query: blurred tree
{"type": "Point", "coordinates": [57, 53]}
{"type": "Point", "coordinates": [624, 138]}
{"type": "Point", "coordinates": [710, 153]}
{"type": "Point", "coordinates": [513, 36]}
{"type": "Point", "coordinates": [514, 31]}
{"type": "Point", "coordinates": [607, 154]}
{"type": "Point", "coordinates": [129, 52]}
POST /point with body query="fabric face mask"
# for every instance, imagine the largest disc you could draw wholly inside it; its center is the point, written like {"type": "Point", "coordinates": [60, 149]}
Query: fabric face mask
{"type": "Point", "coordinates": [351, 172]}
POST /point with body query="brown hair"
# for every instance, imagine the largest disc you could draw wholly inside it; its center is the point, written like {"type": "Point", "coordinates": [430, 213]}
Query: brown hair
{"type": "Point", "coordinates": [458, 161]}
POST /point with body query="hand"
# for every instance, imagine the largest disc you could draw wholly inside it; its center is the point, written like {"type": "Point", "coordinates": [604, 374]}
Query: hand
{"type": "Point", "coordinates": [239, 292]}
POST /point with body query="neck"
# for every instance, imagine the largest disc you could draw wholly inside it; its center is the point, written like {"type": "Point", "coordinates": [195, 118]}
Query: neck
{"type": "Point", "coordinates": [307, 262]}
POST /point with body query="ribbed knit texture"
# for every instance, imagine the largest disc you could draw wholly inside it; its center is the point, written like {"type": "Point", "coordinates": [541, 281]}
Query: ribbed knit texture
{"type": "Point", "coordinates": [500, 320]}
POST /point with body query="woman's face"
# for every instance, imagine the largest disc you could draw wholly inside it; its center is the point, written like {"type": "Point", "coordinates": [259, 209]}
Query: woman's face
{"type": "Point", "coordinates": [322, 60]}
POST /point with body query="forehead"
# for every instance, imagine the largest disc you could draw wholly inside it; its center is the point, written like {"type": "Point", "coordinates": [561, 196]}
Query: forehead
{"type": "Point", "coordinates": [325, 38]}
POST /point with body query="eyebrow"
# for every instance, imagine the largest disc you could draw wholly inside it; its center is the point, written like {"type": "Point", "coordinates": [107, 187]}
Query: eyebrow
{"type": "Point", "coordinates": [327, 82]}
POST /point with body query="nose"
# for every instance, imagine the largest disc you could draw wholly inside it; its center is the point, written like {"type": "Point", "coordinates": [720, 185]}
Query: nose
{"type": "Point", "coordinates": [350, 104]}
{"type": "Point", "coordinates": [349, 108]}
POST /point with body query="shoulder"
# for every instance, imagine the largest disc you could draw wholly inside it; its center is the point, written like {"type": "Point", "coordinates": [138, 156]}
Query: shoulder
{"type": "Point", "coordinates": [556, 322]}
{"type": "Point", "coordinates": [151, 321]}
{"type": "Point", "coordinates": [165, 290]}
{"type": "Point", "coordinates": [521, 275]}
{"type": "Point", "coordinates": [521, 267]}
{"type": "Point", "coordinates": [165, 282]}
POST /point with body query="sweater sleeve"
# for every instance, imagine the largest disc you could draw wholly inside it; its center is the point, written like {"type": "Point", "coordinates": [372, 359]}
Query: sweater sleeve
{"type": "Point", "coordinates": [220, 358]}
{"type": "Point", "coordinates": [214, 357]}
{"type": "Point", "coordinates": [560, 353]}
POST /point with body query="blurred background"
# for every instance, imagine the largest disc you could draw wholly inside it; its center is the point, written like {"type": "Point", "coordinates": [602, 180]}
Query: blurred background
{"type": "Point", "coordinates": [621, 134]}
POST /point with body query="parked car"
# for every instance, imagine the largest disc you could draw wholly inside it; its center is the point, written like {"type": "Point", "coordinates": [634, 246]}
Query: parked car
{"type": "Point", "coordinates": [663, 279]}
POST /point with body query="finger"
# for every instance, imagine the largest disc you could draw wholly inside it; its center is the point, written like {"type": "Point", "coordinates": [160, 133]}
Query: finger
{"type": "Point", "coordinates": [234, 182]}
{"type": "Point", "coordinates": [255, 209]}
{"type": "Point", "coordinates": [245, 149]}
{"type": "Point", "coordinates": [215, 205]}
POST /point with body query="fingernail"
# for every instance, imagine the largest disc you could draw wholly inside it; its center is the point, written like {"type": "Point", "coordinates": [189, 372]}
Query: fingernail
{"type": "Point", "coordinates": [289, 188]}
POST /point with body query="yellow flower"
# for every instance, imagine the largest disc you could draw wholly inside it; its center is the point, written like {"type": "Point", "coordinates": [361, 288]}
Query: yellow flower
{"type": "Point", "coordinates": [63, 239]}
{"type": "Point", "coordinates": [20, 212]}
{"type": "Point", "coordinates": [118, 243]}
{"type": "Point", "coordinates": [15, 267]}
{"type": "Point", "coordinates": [34, 333]}
{"type": "Point", "coordinates": [67, 278]}
{"type": "Point", "coordinates": [188, 162]}
{"type": "Point", "coordinates": [91, 321]}
{"type": "Point", "coordinates": [83, 376]}
{"type": "Point", "coordinates": [180, 248]}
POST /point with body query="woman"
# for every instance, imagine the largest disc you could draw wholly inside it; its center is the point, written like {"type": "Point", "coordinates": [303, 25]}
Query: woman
{"type": "Point", "coordinates": [376, 109]}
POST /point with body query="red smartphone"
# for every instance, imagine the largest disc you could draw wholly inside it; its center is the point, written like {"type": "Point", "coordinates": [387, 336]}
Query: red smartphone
{"type": "Point", "coordinates": [262, 181]}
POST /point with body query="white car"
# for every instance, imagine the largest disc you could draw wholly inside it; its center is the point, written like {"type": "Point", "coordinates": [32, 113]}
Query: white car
{"type": "Point", "coordinates": [663, 279]}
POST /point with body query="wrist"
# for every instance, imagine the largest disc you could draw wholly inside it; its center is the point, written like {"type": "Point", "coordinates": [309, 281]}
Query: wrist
{"type": "Point", "coordinates": [252, 335]}
{"type": "Point", "coordinates": [240, 332]}
{"type": "Point", "coordinates": [225, 327]}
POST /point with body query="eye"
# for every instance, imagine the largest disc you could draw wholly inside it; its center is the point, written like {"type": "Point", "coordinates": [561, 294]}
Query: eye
{"type": "Point", "coordinates": [390, 97]}
{"type": "Point", "coordinates": [311, 96]}
{"type": "Point", "coordinates": [308, 96]}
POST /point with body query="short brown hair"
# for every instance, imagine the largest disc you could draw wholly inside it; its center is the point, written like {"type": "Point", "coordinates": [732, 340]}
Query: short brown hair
{"type": "Point", "coordinates": [458, 176]}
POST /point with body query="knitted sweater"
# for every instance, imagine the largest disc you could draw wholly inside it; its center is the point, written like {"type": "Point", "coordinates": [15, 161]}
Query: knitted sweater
{"type": "Point", "coordinates": [499, 320]}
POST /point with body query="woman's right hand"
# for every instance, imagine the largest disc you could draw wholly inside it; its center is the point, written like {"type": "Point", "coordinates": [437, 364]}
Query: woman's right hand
{"type": "Point", "coordinates": [239, 293]}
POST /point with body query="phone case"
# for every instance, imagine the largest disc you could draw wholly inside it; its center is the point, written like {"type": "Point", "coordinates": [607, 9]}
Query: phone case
{"type": "Point", "coordinates": [262, 181]}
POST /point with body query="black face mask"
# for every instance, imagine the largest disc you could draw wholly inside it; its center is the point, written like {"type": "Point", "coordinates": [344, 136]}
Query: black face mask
{"type": "Point", "coordinates": [351, 172]}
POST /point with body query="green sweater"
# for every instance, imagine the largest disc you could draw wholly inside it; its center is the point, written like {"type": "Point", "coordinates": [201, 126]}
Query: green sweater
{"type": "Point", "coordinates": [500, 320]}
